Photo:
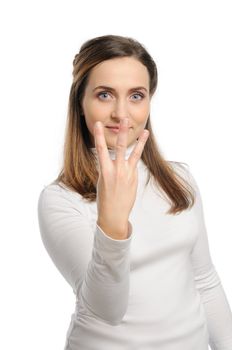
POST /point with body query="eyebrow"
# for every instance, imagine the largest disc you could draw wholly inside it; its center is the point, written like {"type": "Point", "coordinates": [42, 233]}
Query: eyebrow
{"type": "Point", "coordinates": [112, 89]}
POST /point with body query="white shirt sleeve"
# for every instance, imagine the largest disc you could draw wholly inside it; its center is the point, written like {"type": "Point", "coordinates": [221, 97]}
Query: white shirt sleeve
{"type": "Point", "coordinates": [208, 283]}
{"type": "Point", "coordinates": [96, 266]}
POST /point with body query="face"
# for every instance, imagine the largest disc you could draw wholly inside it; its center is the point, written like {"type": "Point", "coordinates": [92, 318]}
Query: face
{"type": "Point", "coordinates": [125, 94]}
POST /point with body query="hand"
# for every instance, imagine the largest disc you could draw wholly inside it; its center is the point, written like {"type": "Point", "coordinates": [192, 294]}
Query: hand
{"type": "Point", "coordinates": [118, 181]}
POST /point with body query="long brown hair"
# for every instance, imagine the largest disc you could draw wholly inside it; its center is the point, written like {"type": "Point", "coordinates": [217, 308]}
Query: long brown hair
{"type": "Point", "coordinates": [79, 172]}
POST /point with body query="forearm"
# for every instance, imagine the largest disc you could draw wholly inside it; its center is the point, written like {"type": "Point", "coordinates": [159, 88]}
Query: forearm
{"type": "Point", "coordinates": [104, 291]}
{"type": "Point", "coordinates": [218, 312]}
{"type": "Point", "coordinates": [118, 231]}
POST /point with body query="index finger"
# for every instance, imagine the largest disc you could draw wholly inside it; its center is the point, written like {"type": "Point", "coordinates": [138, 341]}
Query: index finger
{"type": "Point", "coordinates": [101, 146]}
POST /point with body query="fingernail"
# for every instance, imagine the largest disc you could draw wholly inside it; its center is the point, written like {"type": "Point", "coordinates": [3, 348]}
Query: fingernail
{"type": "Point", "coordinates": [98, 124]}
{"type": "Point", "coordinates": [145, 133]}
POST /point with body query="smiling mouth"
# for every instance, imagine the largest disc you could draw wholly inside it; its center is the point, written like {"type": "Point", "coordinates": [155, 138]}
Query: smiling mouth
{"type": "Point", "coordinates": [112, 127]}
{"type": "Point", "coordinates": [115, 130]}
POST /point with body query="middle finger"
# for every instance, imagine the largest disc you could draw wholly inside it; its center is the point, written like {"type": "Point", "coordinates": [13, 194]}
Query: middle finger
{"type": "Point", "coordinates": [121, 144]}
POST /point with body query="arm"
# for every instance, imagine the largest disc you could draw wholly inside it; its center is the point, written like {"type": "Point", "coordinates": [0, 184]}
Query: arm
{"type": "Point", "coordinates": [208, 283]}
{"type": "Point", "coordinates": [95, 265]}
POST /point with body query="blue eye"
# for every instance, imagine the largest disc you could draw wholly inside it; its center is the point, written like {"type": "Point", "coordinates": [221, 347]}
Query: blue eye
{"type": "Point", "coordinates": [105, 93]}
{"type": "Point", "coordinates": [139, 95]}
{"type": "Point", "coordinates": [102, 93]}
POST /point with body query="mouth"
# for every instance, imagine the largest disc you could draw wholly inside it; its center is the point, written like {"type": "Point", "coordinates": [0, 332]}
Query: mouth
{"type": "Point", "coordinates": [113, 129]}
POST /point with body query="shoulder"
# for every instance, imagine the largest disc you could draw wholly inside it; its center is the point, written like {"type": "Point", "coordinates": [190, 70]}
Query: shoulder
{"type": "Point", "coordinates": [181, 168]}
{"type": "Point", "coordinates": [56, 195]}
{"type": "Point", "coordinates": [185, 171]}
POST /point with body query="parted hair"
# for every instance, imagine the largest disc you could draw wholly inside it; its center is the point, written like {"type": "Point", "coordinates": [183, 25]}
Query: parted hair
{"type": "Point", "coordinates": [79, 169]}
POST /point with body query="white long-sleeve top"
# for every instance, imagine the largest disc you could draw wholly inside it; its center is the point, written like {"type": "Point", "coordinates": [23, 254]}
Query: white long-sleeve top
{"type": "Point", "coordinates": [157, 289]}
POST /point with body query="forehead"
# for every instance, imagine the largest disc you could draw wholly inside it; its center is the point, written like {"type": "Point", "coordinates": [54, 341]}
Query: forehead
{"type": "Point", "coordinates": [117, 71]}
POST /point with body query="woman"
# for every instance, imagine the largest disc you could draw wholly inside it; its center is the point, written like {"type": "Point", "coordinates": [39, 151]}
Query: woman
{"type": "Point", "coordinates": [124, 226]}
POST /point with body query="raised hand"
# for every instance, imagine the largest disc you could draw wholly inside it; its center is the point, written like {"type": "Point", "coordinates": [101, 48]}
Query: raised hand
{"type": "Point", "coordinates": [118, 180]}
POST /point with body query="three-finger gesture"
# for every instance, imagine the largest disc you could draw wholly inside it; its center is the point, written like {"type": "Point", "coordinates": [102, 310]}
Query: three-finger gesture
{"type": "Point", "coordinates": [118, 180]}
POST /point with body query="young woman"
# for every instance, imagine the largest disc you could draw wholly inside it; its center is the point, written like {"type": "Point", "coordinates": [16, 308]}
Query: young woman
{"type": "Point", "coordinates": [124, 226]}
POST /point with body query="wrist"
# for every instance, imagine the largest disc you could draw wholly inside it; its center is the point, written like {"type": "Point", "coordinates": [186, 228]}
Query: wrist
{"type": "Point", "coordinates": [119, 231]}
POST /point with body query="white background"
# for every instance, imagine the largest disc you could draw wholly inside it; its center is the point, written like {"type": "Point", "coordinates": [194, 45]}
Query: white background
{"type": "Point", "coordinates": [190, 42]}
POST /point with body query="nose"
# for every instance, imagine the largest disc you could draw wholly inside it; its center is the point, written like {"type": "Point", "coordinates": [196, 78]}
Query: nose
{"type": "Point", "coordinates": [120, 111]}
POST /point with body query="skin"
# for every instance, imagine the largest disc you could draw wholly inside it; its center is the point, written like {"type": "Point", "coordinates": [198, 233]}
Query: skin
{"type": "Point", "coordinates": [111, 107]}
{"type": "Point", "coordinates": [118, 181]}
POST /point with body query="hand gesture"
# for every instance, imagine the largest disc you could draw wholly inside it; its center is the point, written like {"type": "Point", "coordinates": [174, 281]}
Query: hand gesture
{"type": "Point", "coordinates": [118, 180]}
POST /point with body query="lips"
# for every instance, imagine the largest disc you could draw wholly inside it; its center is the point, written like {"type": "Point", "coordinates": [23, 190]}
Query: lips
{"type": "Point", "coordinates": [115, 127]}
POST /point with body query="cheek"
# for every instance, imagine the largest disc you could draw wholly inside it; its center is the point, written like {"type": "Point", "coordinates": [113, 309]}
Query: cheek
{"type": "Point", "coordinates": [96, 111]}
{"type": "Point", "coordinates": [141, 117]}
{"type": "Point", "coordinates": [92, 114]}
{"type": "Point", "coordinates": [141, 111]}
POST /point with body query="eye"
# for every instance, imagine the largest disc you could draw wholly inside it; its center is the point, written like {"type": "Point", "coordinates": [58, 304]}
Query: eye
{"type": "Point", "coordinates": [141, 95]}
{"type": "Point", "coordinates": [105, 93]}
{"type": "Point", "coordinates": [102, 93]}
